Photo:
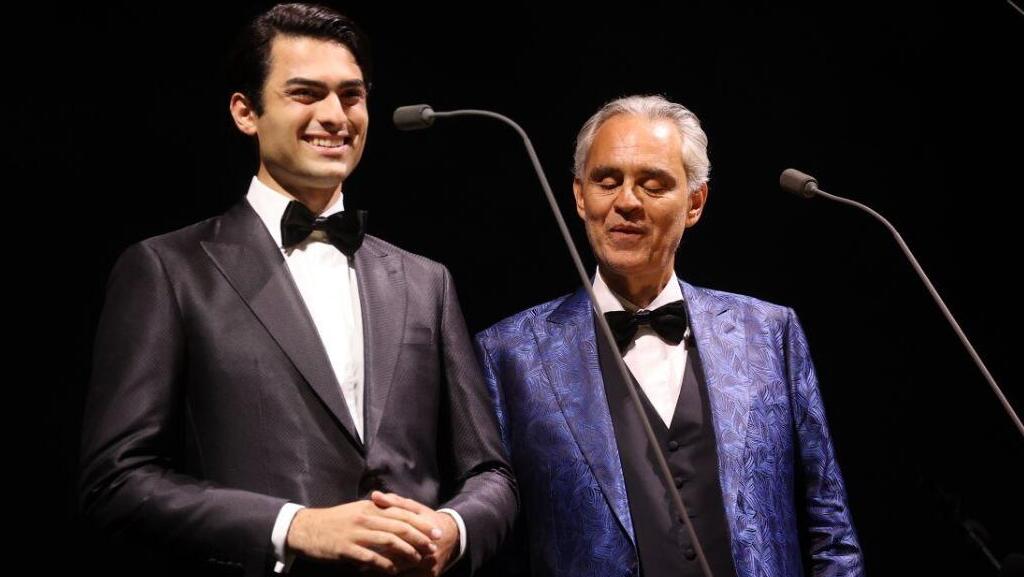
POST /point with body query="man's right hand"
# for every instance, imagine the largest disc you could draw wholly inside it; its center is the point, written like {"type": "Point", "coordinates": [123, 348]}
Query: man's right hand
{"type": "Point", "coordinates": [386, 540]}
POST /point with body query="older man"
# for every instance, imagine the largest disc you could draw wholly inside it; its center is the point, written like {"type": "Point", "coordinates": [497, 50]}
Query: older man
{"type": "Point", "coordinates": [726, 380]}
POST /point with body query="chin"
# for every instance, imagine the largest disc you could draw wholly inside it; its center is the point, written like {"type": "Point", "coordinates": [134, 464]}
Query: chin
{"type": "Point", "coordinates": [624, 266]}
{"type": "Point", "coordinates": [331, 174]}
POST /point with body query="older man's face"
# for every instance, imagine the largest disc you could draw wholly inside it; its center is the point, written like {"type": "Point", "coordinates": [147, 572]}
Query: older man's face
{"type": "Point", "coordinates": [633, 196]}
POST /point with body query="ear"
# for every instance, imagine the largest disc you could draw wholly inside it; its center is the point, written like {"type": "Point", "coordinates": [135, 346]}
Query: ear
{"type": "Point", "coordinates": [698, 199]}
{"type": "Point", "coordinates": [577, 191]}
{"type": "Point", "coordinates": [243, 113]}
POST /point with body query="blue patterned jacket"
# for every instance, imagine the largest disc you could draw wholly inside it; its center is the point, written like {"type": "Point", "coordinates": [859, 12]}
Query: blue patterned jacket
{"type": "Point", "coordinates": [776, 463]}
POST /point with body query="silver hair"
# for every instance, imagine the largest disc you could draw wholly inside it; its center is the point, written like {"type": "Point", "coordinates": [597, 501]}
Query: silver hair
{"type": "Point", "coordinates": [695, 141]}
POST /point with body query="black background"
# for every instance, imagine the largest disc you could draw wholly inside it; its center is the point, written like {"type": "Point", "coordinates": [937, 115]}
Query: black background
{"type": "Point", "coordinates": [121, 132]}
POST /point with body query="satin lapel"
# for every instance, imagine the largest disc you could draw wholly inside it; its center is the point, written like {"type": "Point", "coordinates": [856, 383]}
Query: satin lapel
{"type": "Point", "coordinates": [568, 348]}
{"type": "Point", "coordinates": [720, 335]}
{"type": "Point", "coordinates": [246, 255]}
{"type": "Point", "coordinates": [382, 294]}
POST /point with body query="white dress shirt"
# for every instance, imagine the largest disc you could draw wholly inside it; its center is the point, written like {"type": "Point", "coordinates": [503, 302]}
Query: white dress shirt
{"type": "Point", "coordinates": [657, 364]}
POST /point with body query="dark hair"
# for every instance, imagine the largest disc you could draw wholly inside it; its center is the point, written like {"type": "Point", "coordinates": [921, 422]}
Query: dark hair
{"type": "Point", "coordinates": [249, 62]}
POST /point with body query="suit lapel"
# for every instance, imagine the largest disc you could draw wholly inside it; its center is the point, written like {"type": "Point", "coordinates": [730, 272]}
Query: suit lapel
{"type": "Point", "coordinates": [566, 339]}
{"type": "Point", "coordinates": [246, 255]}
{"type": "Point", "coordinates": [382, 295]}
{"type": "Point", "coordinates": [721, 341]}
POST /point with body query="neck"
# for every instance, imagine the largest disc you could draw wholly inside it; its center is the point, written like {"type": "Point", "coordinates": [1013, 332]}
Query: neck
{"type": "Point", "coordinates": [640, 290]}
{"type": "Point", "coordinates": [316, 199]}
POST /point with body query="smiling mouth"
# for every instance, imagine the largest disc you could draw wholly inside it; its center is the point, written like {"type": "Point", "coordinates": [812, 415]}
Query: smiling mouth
{"type": "Point", "coordinates": [329, 143]}
{"type": "Point", "coordinates": [626, 230]}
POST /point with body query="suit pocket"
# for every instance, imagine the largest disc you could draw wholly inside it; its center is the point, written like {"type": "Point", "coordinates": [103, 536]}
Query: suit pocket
{"type": "Point", "coordinates": [418, 335]}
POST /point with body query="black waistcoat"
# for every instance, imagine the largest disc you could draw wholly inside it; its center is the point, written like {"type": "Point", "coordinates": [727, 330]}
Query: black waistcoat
{"type": "Point", "coordinates": [689, 448]}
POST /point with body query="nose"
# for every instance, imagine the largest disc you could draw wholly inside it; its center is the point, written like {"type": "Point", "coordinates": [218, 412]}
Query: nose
{"type": "Point", "coordinates": [330, 113]}
{"type": "Point", "coordinates": [627, 201]}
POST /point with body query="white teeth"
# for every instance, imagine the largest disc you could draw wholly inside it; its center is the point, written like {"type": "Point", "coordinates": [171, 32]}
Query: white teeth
{"type": "Point", "coordinates": [325, 143]}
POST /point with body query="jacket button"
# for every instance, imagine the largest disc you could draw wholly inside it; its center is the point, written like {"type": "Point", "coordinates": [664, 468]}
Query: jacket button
{"type": "Point", "coordinates": [690, 554]}
{"type": "Point", "coordinates": [673, 446]}
{"type": "Point", "coordinates": [679, 482]}
{"type": "Point", "coordinates": [371, 483]}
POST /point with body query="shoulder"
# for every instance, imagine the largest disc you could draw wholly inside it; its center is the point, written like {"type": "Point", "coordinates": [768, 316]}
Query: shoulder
{"type": "Point", "coordinates": [521, 322]}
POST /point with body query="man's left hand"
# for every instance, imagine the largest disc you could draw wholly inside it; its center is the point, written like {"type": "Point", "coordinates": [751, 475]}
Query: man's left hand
{"type": "Point", "coordinates": [447, 545]}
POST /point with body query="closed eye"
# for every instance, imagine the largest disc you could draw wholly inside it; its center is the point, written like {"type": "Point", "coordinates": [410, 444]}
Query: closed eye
{"type": "Point", "coordinates": [606, 177]}
{"type": "Point", "coordinates": [657, 181]}
{"type": "Point", "coordinates": [653, 186]}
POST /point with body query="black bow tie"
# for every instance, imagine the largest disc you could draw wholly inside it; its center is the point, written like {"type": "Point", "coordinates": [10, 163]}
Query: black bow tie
{"type": "Point", "coordinates": [669, 321]}
{"type": "Point", "coordinates": [344, 229]}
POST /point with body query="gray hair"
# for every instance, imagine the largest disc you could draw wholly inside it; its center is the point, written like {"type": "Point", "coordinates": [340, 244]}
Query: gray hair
{"type": "Point", "coordinates": [695, 142]}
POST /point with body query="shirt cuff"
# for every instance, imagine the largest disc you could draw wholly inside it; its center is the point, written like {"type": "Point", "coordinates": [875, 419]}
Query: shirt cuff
{"type": "Point", "coordinates": [279, 536]}
{"type": "Point", "coordinates": [462, 534]}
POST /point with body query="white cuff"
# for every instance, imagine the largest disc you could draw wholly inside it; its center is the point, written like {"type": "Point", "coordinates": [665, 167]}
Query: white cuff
{"type": "Point", "coordinates": [279, 536]}
{"type": "Point", "coordinates": [462, 534]}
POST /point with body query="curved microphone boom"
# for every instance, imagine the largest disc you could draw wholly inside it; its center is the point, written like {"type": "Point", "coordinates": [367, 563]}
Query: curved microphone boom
{"type": "Point", "coordinates": [802, 184]}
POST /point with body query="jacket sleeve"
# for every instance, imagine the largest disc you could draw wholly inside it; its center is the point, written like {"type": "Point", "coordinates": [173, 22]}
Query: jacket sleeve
{"type": "Point", "coordinates": [134, 428]}
{"type": "Point", "coordinates": [486, 494]}
{"type": "Point", "coordinates": [833, 546]}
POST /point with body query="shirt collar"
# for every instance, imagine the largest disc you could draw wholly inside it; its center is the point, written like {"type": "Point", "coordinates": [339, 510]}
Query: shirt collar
{"type": "Point", "coordinates": [608, 300]}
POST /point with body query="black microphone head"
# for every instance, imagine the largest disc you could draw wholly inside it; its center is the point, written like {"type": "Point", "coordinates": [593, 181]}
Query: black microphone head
{"type": "Point", "coordinates": [1013, 565]}
{"type": "Point", "coordinates": [415, 117]}
{"type": "Point", "coordinates": [792, 180]}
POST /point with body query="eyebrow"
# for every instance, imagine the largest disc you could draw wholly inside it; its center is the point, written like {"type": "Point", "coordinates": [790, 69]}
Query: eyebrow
{"type": "Point", "coordinates": [601, 172]}
{"type": "Point", "coordinates": [298, 81]}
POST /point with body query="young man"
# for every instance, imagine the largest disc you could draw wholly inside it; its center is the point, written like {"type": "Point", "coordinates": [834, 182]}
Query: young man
{"type": "Point", "coordinates": [271, 385]}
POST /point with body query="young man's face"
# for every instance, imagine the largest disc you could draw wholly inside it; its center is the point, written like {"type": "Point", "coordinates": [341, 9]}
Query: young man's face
{"type": "Point", "coordinates": [314, 122]}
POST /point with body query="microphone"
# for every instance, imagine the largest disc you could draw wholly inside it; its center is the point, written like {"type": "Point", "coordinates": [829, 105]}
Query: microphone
{"type": "Point", "coordinates": [792, 180]}
{"type": "Point", "coordinates": [414, 117]}
{"type": "Point", "coordinates": [1012, 566]}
